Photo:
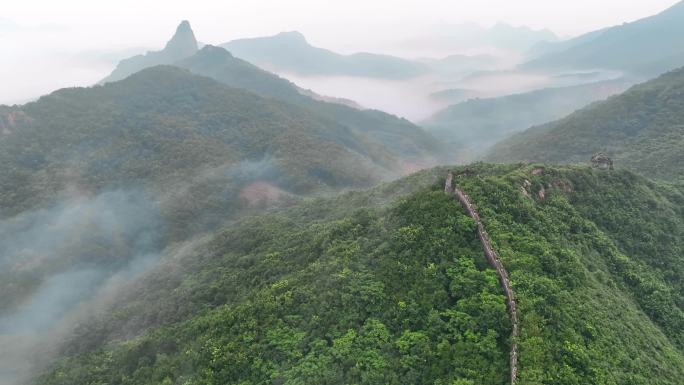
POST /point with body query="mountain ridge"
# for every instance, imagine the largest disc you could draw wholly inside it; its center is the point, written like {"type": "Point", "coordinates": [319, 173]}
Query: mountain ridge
{"type": "Point", "coordinates": [594, 304]}
{"type": "Point", "coordinates": [475, 125]}
{"type": "Point", "coordinates": [290, 51]}
{"type": "Point", "coordinates": [648, 46]}
{"type": "Point", "coordinates": [640, 129]}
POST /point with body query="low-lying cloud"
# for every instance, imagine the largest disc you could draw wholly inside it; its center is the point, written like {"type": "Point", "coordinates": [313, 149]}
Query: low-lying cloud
{"type": "Point", "coordinates": [56, 259]}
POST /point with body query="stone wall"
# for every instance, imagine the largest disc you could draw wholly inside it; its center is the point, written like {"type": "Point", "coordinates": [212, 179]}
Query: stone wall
{"type": "Point", "coordinates": [496, 264]}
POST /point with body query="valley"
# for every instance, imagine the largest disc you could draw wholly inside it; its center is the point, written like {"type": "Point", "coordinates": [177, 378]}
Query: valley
{"type": "Point", "coordinates": [343, 193]}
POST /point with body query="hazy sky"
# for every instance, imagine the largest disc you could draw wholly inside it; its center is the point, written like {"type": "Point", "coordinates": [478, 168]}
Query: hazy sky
{"type": "Point", "coordinates": [223, 19]}
{"type": "Point", "coordinates": [32, 30]}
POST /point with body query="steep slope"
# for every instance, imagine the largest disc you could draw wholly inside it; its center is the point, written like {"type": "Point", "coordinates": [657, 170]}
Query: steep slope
{"type": "Point", "coordinates": [548, 47]}
{"type": "Point", "coordinates": [100, 180]}
{"type": "Point", "coordinates": [477, 124]}
{"type": "Point", "coordinates": [495, 263]}
{"type": "Point", "coordinates": [642, 129]}
{"type": "Point", "coordinates": [290, 52]}
{"type": "Point", "coordinates": [181, 45]}
{"type": "Point", "coordinates": [406, 141]}
{"type": "Point", "coordinates": [222, 66]}
{"type": "Point", "coordinates": [354, 290]}
{"type": "Point", "coordinates": [165, 125]}
{"type": "Point", "coordinates": [648, 46]}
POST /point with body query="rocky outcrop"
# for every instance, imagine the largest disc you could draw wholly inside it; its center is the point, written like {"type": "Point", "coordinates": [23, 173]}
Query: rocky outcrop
{"type": "Point", "coordinates": [9, 120]}
{"type": "Point", "coordinates": [182, 45]}
{"type": "Point", "coordinates": [496, 264]}
{"type": "Point", "coordinates": [183, 42]}
{"type": "Point", "coordinates": [601, 161]}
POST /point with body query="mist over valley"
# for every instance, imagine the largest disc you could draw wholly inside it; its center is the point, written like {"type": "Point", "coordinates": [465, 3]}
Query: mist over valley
{"type": "Point", "coordinates": [342, 193]}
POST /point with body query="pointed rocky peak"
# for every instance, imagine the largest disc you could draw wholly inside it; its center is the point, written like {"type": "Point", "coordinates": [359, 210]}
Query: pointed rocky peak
{"type": "Point", "coordinates": [183, 42]}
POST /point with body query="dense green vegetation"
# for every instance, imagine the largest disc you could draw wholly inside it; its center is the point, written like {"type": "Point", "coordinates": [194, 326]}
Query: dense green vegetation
{"type": "Point", "coordinates": [379, 129]}
{"type": "Point", "coordinates": [473, 126]}
{"type": "Point", "coordinates": [585, 289]}
{"type": "Point", "coordinates": [383, 287]}
{"type": "Point", "coordinates": [201, 152]}
{"type": "Point", "coordinates": [180, 226]}
{"type": "Point", "coordinates": [377, 296]}
{"type": "Point", "coordinates": [99, 182]}
{"type": "Point", "coordinates": [165, 125]}
{"type": "Point", "coordinates": [642, 129]}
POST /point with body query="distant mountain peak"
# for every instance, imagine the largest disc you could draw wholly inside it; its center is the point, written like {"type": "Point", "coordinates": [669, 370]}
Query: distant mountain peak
{"type": "Point", "coordinates": [183, 41]}
{"type": "Point", "coordinates": [212, 52]}
{"type": "Point", "coordinates": [503, 27]}
{"type": "Point", "coordinates": [293, 36]}
{"type": "Point", "coordinates": [182, 45]}
{"type": "Point", "coordinates": [212, 49]}
{"type": "Point", "coordinates": [645, 47]}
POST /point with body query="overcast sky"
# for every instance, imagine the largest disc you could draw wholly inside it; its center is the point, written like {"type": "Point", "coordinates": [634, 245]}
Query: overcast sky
{"type": "Point", "coordinates": [30, 29]}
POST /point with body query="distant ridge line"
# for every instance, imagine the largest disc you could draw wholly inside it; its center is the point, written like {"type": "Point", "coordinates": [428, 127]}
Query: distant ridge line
{"type": "Point", "coordinates": [495, 262]}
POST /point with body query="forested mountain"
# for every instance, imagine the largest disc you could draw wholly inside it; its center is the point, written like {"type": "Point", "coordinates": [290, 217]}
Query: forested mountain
{"type": "Point", "coordinates": [98, 181]}
{"type": "Point", "coordinates": [197, 219]}
{"type": "Point", "coordinates": [181, 45]}
{"type": "Point", "coordinates": [475, 125]}
{"type": "Point", "coordinates": [648, 46]}
{"type": "Point", "coordinates": [407, 141]}
{"type": "Point", "coordinates": [166, 123]}
{"type": "Point", "coordinates": [415, 147]}
{"type": "Point", "coordinates": [290, 52]}
{"type": "Point", "coordinates": [641, 129]}
{"type": "Point", "coordinates": [390, 286]}
{"type": "Point", "coordinates": [222, 66]}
